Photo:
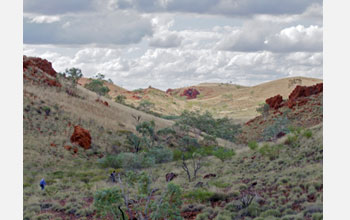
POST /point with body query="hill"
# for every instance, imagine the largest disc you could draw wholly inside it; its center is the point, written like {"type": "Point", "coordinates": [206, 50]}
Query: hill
{"type": "Point", "coordinates": [166, 169]}
{"type": "Point", "coordinates": [221, 99]}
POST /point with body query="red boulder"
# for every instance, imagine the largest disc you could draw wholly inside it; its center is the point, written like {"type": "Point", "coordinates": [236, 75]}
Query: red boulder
{"type": "Point", "coordinates": [81, 137]}
{"type": "Point", "coordinates": [191, 93]}
{"type": "Point", "coordinates": [274, 102]}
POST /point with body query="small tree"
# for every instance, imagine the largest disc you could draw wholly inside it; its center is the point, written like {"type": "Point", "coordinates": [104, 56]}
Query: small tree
{"type": "Point", "coordinates": [146, 128]}
{"type": "Point", "coordinates": [73, 74]}
{"type": "Point", "coordinates": [196, 165]}
{"type": "Point", "coordinates": [135, 142]}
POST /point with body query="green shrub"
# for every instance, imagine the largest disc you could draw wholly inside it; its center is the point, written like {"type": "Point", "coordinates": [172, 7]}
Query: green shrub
{"type": "Point", "coordinates": [224, 127]}
{"type": "Point", "coordinates": [161, 154]}
{"type": "Point", "coordinates": [317, 216]}
{"type": "Point", "coordinates": [271, 212]}
{"type": "Point", "coordinates": [127, 161]}
{"type": "Point", "coordinates": [97, 86]}
{"type": "Point", "coordinates": [199, 195]}
{"type": "Point", "coordinates": [272, 152]}
{"type": "Point", "coordinates": [307, 133]}
{"type": "Point", "coordinates": [280, 125]}
{"type": "Point", "coordinates": [106, 202]}
{"type": "Point", "coordinates": [253, 145]}
{"type": "Point", "coordinates": [120, 99]}
{"type": "Point", "coordinates": [224, 154]}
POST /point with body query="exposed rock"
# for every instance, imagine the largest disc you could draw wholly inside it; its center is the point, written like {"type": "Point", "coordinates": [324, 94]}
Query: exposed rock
{"type": "Point", "coordinates": [303, 91]}
{"type": "Point", "coordinates": [169, 91]}
{"type": "Point", "coordinates": [42, 64]}
{"type": "Point", "coordinates": [209, 175]}
{"type": "Point", "coordinates": [102, 102]}
{"type": "Point", "coordinates": [274, 102]}
{"type": "Point", "coordinates": [170, 176]}
{"type": "Point", "coordinates": [191, 93]}
{"type": "Point", "coordinates": [81, 137]}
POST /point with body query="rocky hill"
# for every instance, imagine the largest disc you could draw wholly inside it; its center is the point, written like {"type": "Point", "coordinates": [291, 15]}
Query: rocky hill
{"type": "Point", "coordinates": [72, 137]}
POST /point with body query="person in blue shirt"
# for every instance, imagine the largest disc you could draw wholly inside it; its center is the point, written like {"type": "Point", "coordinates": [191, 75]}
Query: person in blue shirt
{"type": "Point", "coordinates": [42, 184]}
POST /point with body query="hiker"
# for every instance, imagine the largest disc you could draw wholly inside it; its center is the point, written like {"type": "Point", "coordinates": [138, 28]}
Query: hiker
{"type": "Point", "coordinates": [113, 176]}
{"type": "Point", "coordinates": [42, 184]}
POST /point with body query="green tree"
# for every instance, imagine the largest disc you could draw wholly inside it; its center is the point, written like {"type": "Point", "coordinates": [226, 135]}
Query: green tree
{"type": "Point", "coordinates": [146, 129]}
{"type": "Point", "coordinates": [73, 74]}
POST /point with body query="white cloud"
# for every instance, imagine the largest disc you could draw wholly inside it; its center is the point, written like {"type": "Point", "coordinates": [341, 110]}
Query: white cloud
{"type": "Point", "coordinates": [44, 19]}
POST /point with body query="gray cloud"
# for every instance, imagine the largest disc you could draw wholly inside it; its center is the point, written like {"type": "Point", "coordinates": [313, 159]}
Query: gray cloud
{"type": "Point", "coordinates": [224, 7]}
{"type": "Point", "coordinates": [58, 7]}
{"type": "Point", "coordinates": [170, 40]}
{"type": "Point", "coordinates": [94, 28]}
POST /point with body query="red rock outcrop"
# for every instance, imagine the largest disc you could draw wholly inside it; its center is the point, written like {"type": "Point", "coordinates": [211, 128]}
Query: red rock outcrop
{"type": "Point", "coordinates": [191, 93]}
{"type": "Point", "coordinates": [303, 91]}
{"type": "Point", "coordinates": [274, 102]}
{"type": "Point", "coordinates": [102, 102]}
{"type": "Point", "coordinates": [39, 71]}
{"type": "Point", "coordinates": [81, 137]}
{"type": "Point", "coordinates": [42, 64]}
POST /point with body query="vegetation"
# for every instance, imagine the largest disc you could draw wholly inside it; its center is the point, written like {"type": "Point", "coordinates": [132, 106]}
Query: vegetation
{"type": "Point", "coordinates": [222, 128]}
{"type": "Point", "coordinates": [120, 99]}
{"type": "Point", "coordinates": [97, 86]}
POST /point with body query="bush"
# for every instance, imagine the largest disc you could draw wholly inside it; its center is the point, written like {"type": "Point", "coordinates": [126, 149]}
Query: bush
{"type": "Point", "coordinates": [224, 154]}
{"type": "Point", "coordinates": [271, 212]}
{"type": "Point", "coordinates": [127, 161]}
{"type": "Point", "coordinates": [199, 195]}
{"type": "Point", "coordinates": [161, 154]}
{"type": "Point", "coordinates": [97, 86]}
{"type": "Point", "coordinates": [307, 133]}
{"type": "Point", "coordinates": [253, 145]}
{"type": "Point", "coordinates": [223, 127]}
{"type": "Point", "coordinates": [120, 99]}
{"type": "Point", "coordinates": [272, 152]}
{"type": "Point", "coordinates": [280, 125]}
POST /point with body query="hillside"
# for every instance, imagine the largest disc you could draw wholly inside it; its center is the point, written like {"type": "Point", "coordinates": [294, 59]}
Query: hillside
{"type": "Point", "coordinates": [74, 139]}
{"type": "Point", "coordinates": [222, 100]}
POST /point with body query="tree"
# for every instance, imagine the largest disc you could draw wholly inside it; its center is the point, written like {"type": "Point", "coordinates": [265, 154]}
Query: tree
{"type": "Point", "coordinates": [96, 85]}
{"type": "Point", "coordinates": [263, 109]}
{"type": "Point", "coordinates": [135, 142]}
{"type": "Point", "coordinates": [100, 76]}
{"type": "Point", "coordinates": [73, 74]}
{"type": "Point", "coordinates": [146, 128]}
{"type": "Point", "coordinates": [196, 165]}
{"type": "Point", "coordinates": [120, 99]}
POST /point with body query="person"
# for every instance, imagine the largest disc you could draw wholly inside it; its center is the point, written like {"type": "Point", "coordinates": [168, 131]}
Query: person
{"type": "Point", "coordinates": [113, 176]}
{"type": "Point", "coordinates": [42, 184]}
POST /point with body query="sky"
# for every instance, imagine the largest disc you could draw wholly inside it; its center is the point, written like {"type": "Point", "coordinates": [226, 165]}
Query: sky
{"type": "Point", "coordinates": [177, 43]}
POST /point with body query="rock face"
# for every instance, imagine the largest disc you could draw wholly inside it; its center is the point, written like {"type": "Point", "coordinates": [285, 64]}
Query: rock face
{"type": "Point", "coordinates": [191, 93]}
{"type": "Point", "coordinates": [39, 71]}
{"type": "Point", "coordinates": [42, 64]}
{"type": "Point", "coordinates": [274, 102]}
{"type": "Point", "coordinates": [170, 176]}
{"type": "Point", "coordinates": [81, 137]}
{"type": "Point", "coordinates": [303, 91]}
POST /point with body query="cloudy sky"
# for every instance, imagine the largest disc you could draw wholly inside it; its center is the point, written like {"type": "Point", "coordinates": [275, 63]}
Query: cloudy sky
{"type": "Point", "coordinates": [176, 43]}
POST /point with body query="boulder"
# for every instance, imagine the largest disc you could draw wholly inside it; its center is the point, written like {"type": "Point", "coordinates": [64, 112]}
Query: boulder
{"type": "Point", "coordinates": [209, 175]}
{"type": "Point", "coordinates": [170, 176]}
{"type": "Point", "coordinates": [190, 93]}
{"type": "Point", "coordinates": [274, 102]}
{"type": "Point", "coordinates": [303, 91]}
{"type": "Point", "coordinates": [81, 137]}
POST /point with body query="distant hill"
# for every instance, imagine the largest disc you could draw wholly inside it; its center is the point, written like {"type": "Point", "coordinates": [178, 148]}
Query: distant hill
{"type": "Point", "coordinates": [221, 99]}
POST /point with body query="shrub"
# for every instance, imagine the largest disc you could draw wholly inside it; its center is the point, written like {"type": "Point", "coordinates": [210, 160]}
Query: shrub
{"type": "Point", "coordinates": [272, 152]}
{"type": "Point", "coordinates": [271, 212]}
{"type": "Point", "coordinates": [307, 133]}
{"type": "Point", "coordinates": [107, 201]}
{"type": "Point", "coordinates": [317, 216]}
{"type": "Point", "coordinates": [97, 86]}
{"type": "Point", "coordinates": [280, 125]}
{"type": "Point", "coordinates": [127, 161]}
{"type": "Point", "coordinates": [253, 145]}
{"type": "Point", "coordinates": [120, 99]}
{"type": "Point", "coordinates": [199, 195]}
{"type": "Point", "coordinates": [223, 127]}
{"type": "Point", "coordinates": [161, 154]}
{"type": "Point", "coordinates": [224, 154]}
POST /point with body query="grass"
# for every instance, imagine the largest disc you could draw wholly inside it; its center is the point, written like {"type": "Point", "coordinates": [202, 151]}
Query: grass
{"type": "Point", "coordinates": [281, 171]}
